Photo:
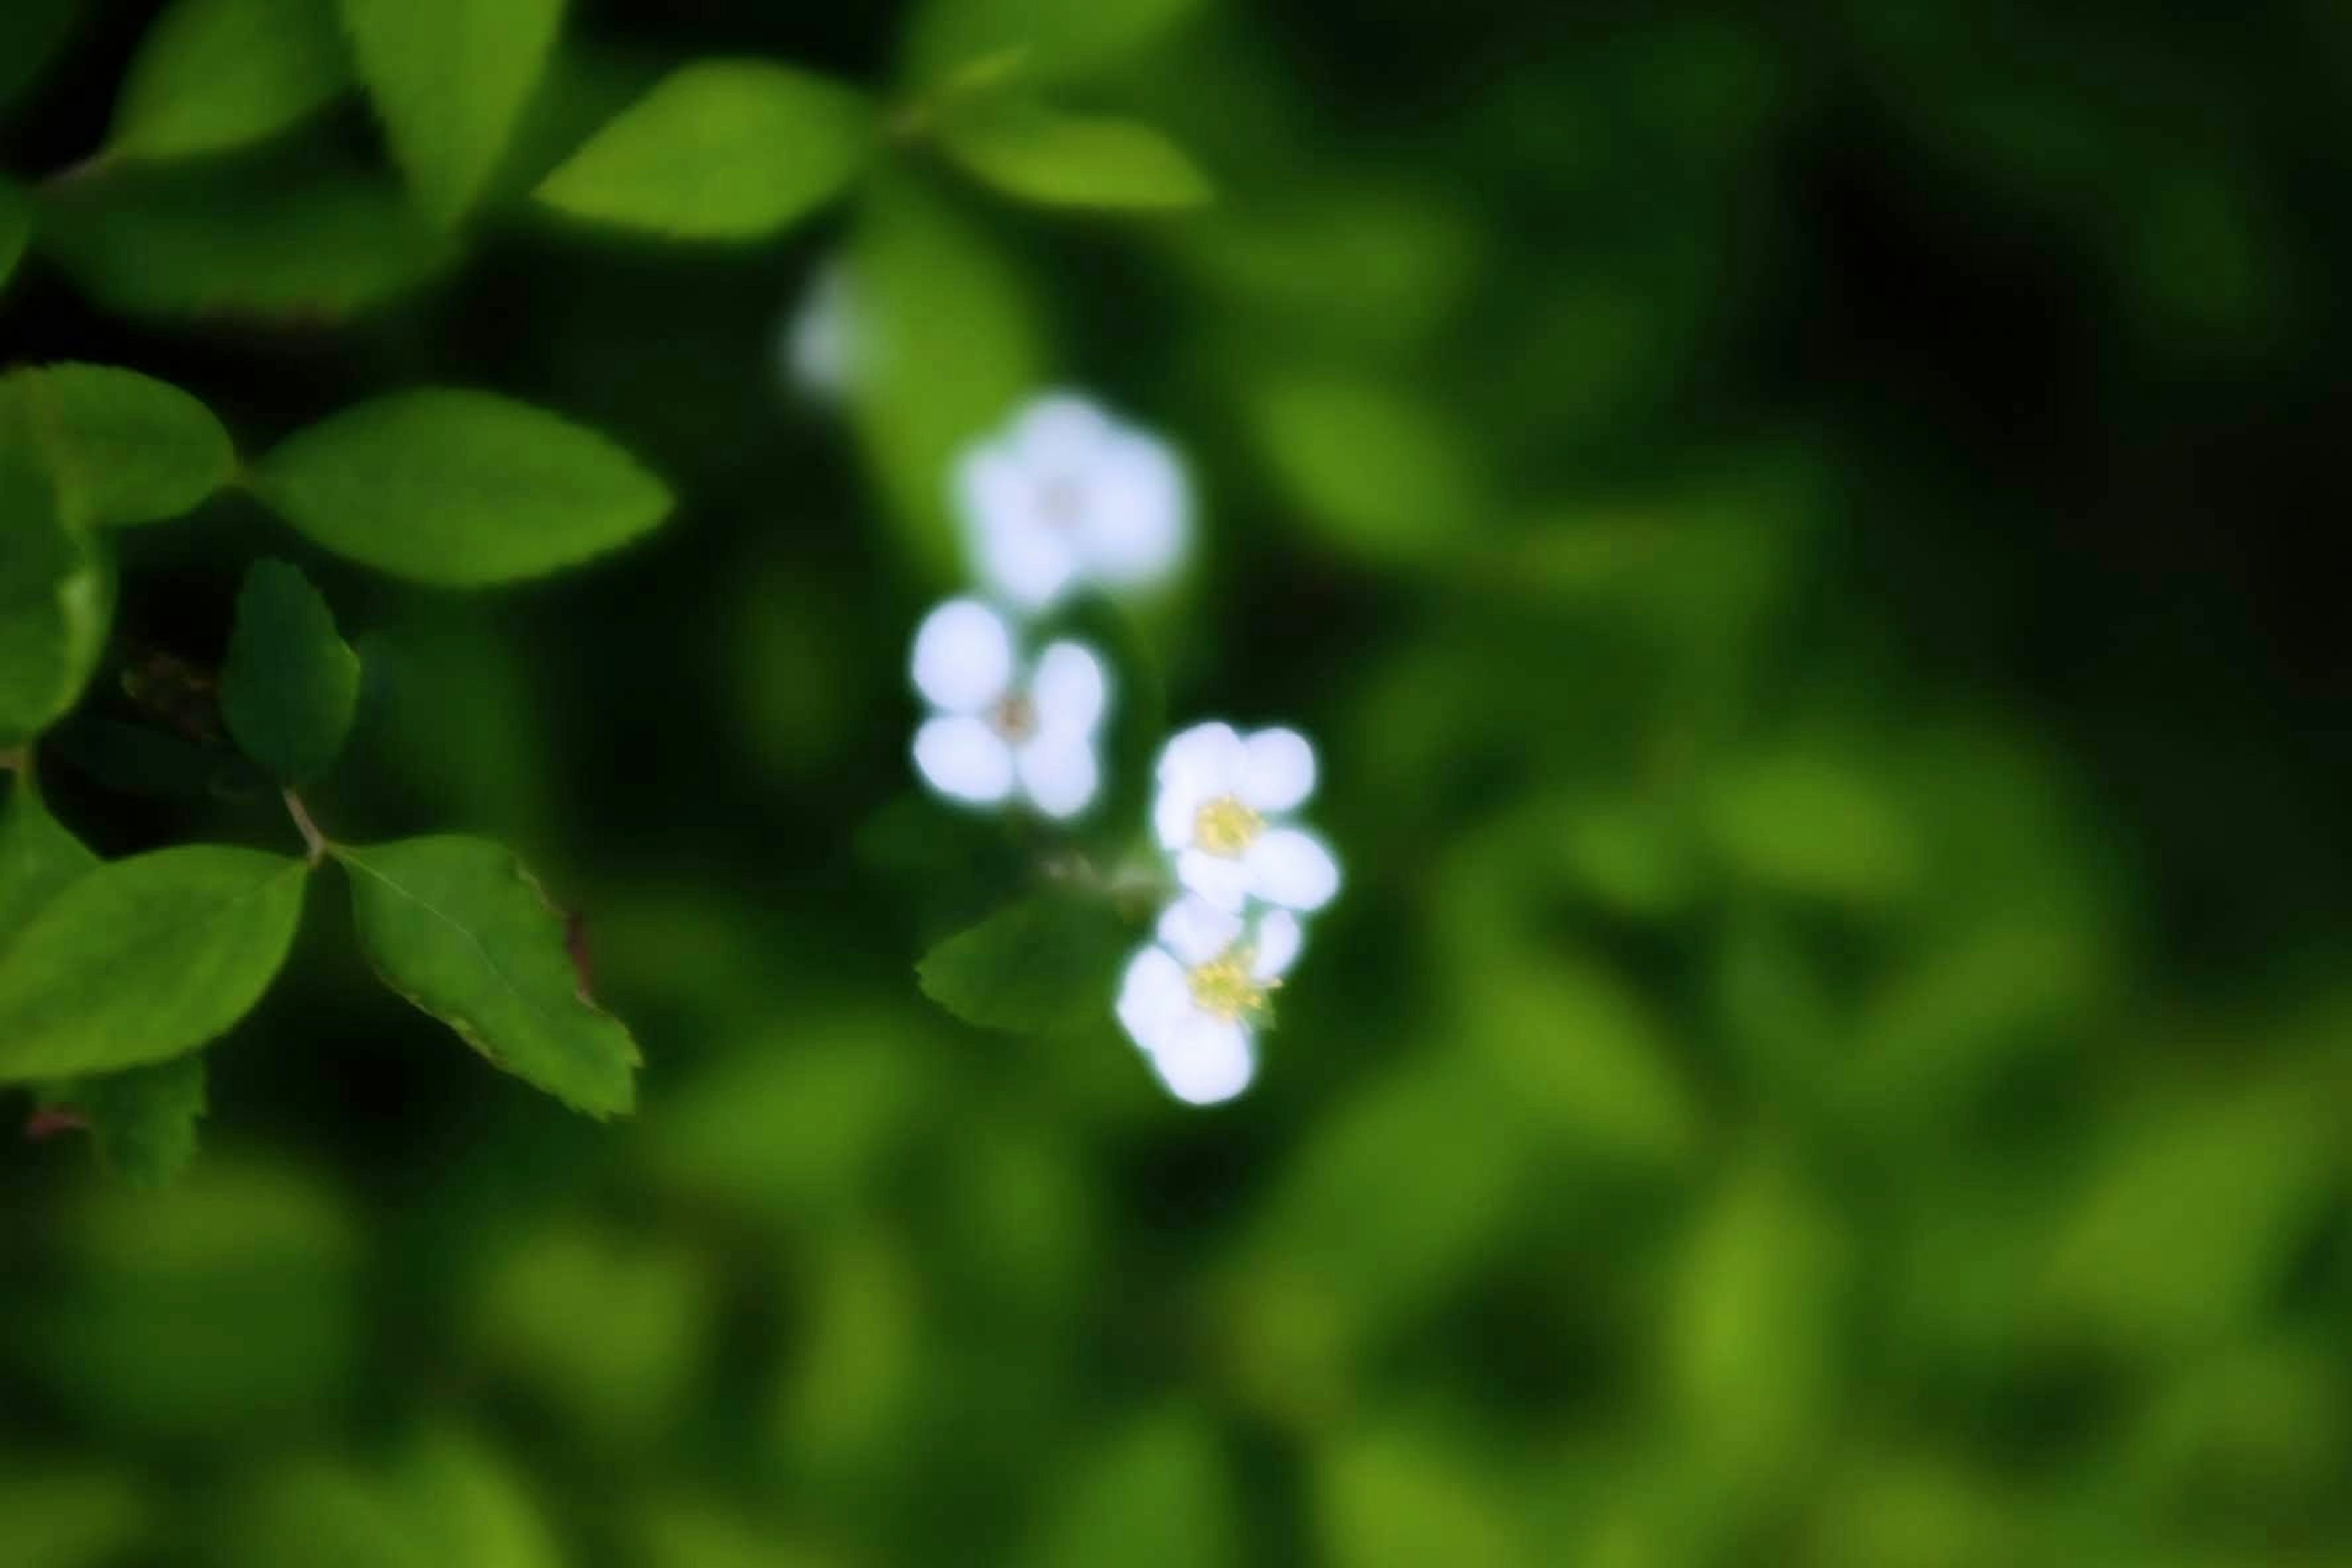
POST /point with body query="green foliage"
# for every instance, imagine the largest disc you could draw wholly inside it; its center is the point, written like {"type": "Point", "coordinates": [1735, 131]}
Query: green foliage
{"type": "Point", "coordinates": [1039, 154]}
{"type": "Point", "coordinates": [218, 74]}
{"type": "Point", "coordinates": [291, 685]}
{"type": "Point", "coordinates": [1816, 823]}
{"type": "Point", "coordinates": [144, 959]}
{"type": "Point", "coordinates": [30, 32]}
{"type": "Point", "coordinates": [37, 858]}
{"type": "Point", "coordinates": [73, 1516]}
{"type": "Point", "coordinates": [56, 591]}
{"type": "Point", "coordinates": [459, 488]}
{"type": "Point", "coordinates": [471, 1506]}
{"type": "Point", "coordinates": [123, 447]}
{"type": "Point", "coordinates": [15, 228]}
{"type": "Point", "coordinates": [1048, 963]}
{"type": "Point", "coordinates": [1159, 1494]}
{"type": "Point", "coordinates": [1383, 473]}
{"type": "Point", "coordinates": [1388, 1501]}
{"type": "Point", "coordinates": [720, 150]}
{"type": "Point", "coordinates": [450, 79]}
{"type": "Point", "coordinates": [143, 1120]}
{"type": "Point", "coordinates": [303, 250]}
{"type": "Point", "coordinates": [457, 927]}
{"type": "Point", "coordinates": [1048, 40]}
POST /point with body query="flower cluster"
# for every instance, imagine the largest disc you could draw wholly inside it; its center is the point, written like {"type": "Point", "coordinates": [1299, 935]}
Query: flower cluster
{"type": "Point", "coordinates": [1067, 498]}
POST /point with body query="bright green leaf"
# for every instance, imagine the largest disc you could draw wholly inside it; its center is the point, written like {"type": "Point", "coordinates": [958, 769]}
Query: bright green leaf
{"type": "Point", "coordinates": [1812, 823]}
{"type": "Point", "coordinates": [1402, 1501]}
{"type": "Point", "coordinates": [57, 590]}
{"type": "Point", "coordinates": [1379, 472]}
{"type": "Point", "coordinates": [15, 228]}
{"type": "Point", "coordinates": [1047, 964]}
{"type": "Point", "coordinates": [144, 959]}
{"type": "Point", "coordinates": [457, 927]}
{"type": "Point", "coordinates": [1042, 155]}
{"type": "Point", "coordinates": [145, 1119]}
{"type": "Point", "coordinates": [218, 74]}
{"type": "Point", "coordinates": [450, 78]}
{"type": "Point", "coordinates": [291, 685]}
{"type": "Point", "coordinates": [1047, 39]}
{"type": "Point", "coordinates": [459, 488]}
{"type": "Point", "coordinates": [477, 1510]}
{"type": "Point", "coordinates": [719, 150]}
{"type": "Point", "coordinates": [237, 244]}
{"type": "Point", "coordinates": [37, 858]}
{"type": "Point", "coordinates": [123, 447]}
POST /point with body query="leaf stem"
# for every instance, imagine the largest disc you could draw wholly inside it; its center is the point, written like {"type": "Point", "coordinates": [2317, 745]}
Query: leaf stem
{"type": "Point", "coordinates": [313, 841]}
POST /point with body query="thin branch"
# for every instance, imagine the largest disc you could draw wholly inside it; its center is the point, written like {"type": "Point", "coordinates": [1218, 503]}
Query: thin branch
{"type": "Point", "coordinates": [313, 841]}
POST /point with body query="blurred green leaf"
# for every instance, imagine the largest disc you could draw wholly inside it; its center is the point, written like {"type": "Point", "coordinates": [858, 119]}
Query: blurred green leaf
{"type": "Point", "coordinates": [719, 150]}
{"type": "Point", "coordinates": [123, 447]}
{"type": "Point", "coordinates": [471, 1506]}
{"type": "Point", "coordinates": [315, 1509]}
{"type": "Point", "coordinates": [1046, 964]}
{"type": "Point", "coordinates": [57, 590]}
{"type": "Point", "coordinates": [217, 73]}
{"type": "Point", "coordinates": [15, 228]}
{"type": "Point", "coordinates": [1582, 1053]}
{"type": "Point", "coordinates": [30, 32]}
{"type": "Point", "coordinates": [299, 251]}
{"type": "Point", "coordinates": [1812, 823]}
{"type": "Point", "coordinates": [1375, 469]}
{"type": "Point", "coordinates": [459, 488]}
{"type": "Point", "coordinates": [1406, 1501]}
{"type": "Point", "coordinates": [1046, 39]}
{"type": "Point", "coordinates": [1039, 154]}
{"type": "Point", "coordinates": [450, 79]}
{"type": "Point", "coordinates": [290, 684]}
{"type": "Point", "coordinates": [676, 1532]}
{"type": "Point", "coordinates": [1893, 1509]}
{"type": "Point", "coordinates": [856, 1367]}
{"type": "Point", "coordinates": [143, 1120]}
{"type": "Point", "coordinates": [37, 858]}
{"type": "Point", "coordinates": [74, 1515]}
{"type": "Point", "coordinates": [951, 340]}
{"type": "Point", "coordinates": [460, 929]}
{"type": "Point", "coordinates": [144, 959]}
{"type": "Point", "coordinates": [1157, 1494]}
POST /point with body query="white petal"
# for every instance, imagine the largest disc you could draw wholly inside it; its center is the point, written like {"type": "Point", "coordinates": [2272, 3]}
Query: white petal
{"type": "Point", "coordinates": [1279, 772]}
{"type": "Point", "coordinates": [963, 657]}
{"type": "Point", "coordinates": [963, 758]}
{"type": "Point", "coordinates": [1058, 770]}
{"type": "Point", "coordinates": [990, 484]}
{"type": "Point", "coordinates": [1133, 532]}
{"type": "Point", "coordinates": [1205, 1059]}
{"type": "Point", "coordinates": [1069, 688]}
{"type": "Point", "coordinates": [1291, 868]}
{"type": "Point", "coordinates": [1025, 558]}
{"type": "Point", "coordinates": [1175, 808]}
{"type": "Point", "coordinates": [1224, 881]}
{"type": "Point", "coordinates": [1153, 997]}
{"type": "Point", "coordinates": [1209, 757]}
{"type": "Point", "coordinates": [1059, 430]}
{"type": "Point", "coordinates": [1196, 930]}
{"type": "Point", "coordinates": [1277, 941]}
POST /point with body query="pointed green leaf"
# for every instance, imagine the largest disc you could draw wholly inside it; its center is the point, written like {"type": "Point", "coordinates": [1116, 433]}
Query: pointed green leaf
{"type": "Point", "coordinates": [450, 78]}
{"type": "Point", "coordinates": [460, 488]}
{"type": "Point", "coordinates": [145, 959]}
{"type": "Point", "coordinates": [143, 1120]}
{"type": "Point", "coordinates": [1039, 154]}
{"type": "Point", "coordinates": [719, 150]}
{"type": "Point", "coordinates": [123, 447]}
{"type": "Point", "coordinates": [57, 590]}
{"type": "Point", "coordinates": [37, 858]}
{"type": "Point", "coordinates": [1048, 963]}
{"type": "Point", "coordinates": [15, 228]}
{"type": "Point", "coordinates": [217, 73]}
{"type": "Point", "coordinates": [457, 927]}
{"type": "Point", "coordinates": [291, 685]}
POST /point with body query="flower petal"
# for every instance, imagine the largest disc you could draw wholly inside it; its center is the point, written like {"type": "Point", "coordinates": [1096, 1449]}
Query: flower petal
{"type": "Point", "coordinates": [1291, 868]}
{"type": "Point", "coordinates": [1059, 430]}
{"type": "Point", "coordinates": [1222, 879]}
{"type": "Point", "coordinates": [1277, 943]}
{"type": "Point", "coordinates": [964, 759]}
{"type": "Point", "coordinates": [1279, 771]}
{"type": "Point", "coordinates": [1057, 769]}
{"type": "Point", "coordinates": [1204, 1059]}
{"type": "Point", "coordinates": [1153, 997]}
{"type": "Point", "coordinates": [1175, 808]}
{"type": "Point", "coordinates": [1069, 688]}
{"type": "Point", "coordinates": [963, 657]}
{"type": "Point", "coordinates": [1024, 558]}
{"type": "Point", "coordinates": [1134, 531]}
{"type": "Point", "coordinates": [1209, 757]}
{"type": "Point", "coordinates": [1196, 930]}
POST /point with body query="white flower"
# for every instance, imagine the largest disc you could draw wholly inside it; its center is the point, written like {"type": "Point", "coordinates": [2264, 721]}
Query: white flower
{"type": "Point", "coordinates": [821, 340]}
{"type": "Point", "coordinates": [1000, 729]}
{"type": "Point", "coordinates": [1068, 495]}
{"type": "Point", "coordinates": [1193, 1000]}
{"type": "Point", "coordinates": [1221, 798]}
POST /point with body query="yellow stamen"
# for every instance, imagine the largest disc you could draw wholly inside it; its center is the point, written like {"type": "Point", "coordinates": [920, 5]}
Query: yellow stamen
{"type": "Point", "coordinates": [1225, 987]}
{"type": "Point", "coordinates": [1225, 826]}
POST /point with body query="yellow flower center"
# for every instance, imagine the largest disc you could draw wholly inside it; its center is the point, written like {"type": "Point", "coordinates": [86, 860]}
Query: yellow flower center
{"type": "Point", "coordinates": [1225, 987]}
{"type": "Point", "coordinates": [1225, 826]}
{"type": "Point", "coordinates": [1014, 718]}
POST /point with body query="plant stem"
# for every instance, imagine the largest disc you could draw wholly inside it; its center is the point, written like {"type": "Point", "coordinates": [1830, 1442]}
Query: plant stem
{"type": "Point", "coordinates": [313, 841]}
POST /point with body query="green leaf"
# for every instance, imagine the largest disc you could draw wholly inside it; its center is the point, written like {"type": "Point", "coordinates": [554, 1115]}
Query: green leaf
{"type": "Point", "coordinates": [143, 1120]}
{"type": "Point", "coordinates": [71, 1514]}
{"type": "Point", "coordinates": [56, 591]}
{"type": "Point", "coordinates": [123, 447]}
{"type": "Point", "coordinates": [457, 927]}
{"type": "Point", "coordinates": [719, 150]}
{"type": "Point", "coordinates": [218, 74]}
{"type": "Point", "coordinates": [1813, 822]}
{"type": "Point", "coordinates": [239, 245]}
{"type": "Point", "coordinates": [1051, 40]}
{"type": "Point", "coordinates": [144, 959]}
{"type": "Point", "coordinates": [473, 1507]}
{"type": "Point", "coordinates": [459, 488]}
{"type": "Point", "coordinates": [1159, 1495]}
{"type": "Point", "coordinates": [291, 685]}
{"type": "Point", "coordinates": [1402, 1501]}
{"type": "Point", "coordinates": [951, 339]}
{"type": "Point", "coordinates": [1379, 472]}
{"type": "Point", "coordinates": [1048, 963]}
{"type": "Point", "coordinates": [15, 228]}
{"type": "Point", "coordinates": [450, 78]}
{"type": "Point", "coordinates": [1040, 154]}
{"type": "Point", "coordinates": [37, 858]}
